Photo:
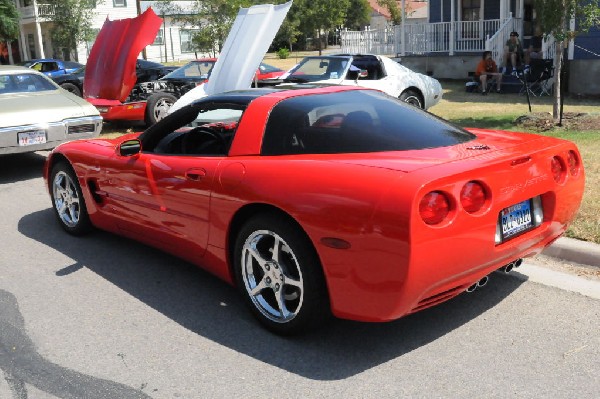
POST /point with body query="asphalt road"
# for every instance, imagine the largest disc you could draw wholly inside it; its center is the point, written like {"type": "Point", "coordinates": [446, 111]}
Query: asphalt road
{"type": "Point", "coordinates": [106, 317]}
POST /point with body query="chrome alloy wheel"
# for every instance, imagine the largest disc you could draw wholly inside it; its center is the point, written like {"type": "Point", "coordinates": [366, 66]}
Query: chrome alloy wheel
{"type": "Point", "coordinates": [66, 199]}
{"type": "Point", "coordinates": [272, 276]}
{"type": "Point", "coordinates": [161, 108]}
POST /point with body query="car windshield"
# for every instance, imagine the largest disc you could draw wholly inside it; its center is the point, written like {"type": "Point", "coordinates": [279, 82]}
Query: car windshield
{"type": "Point", "coordinates": [195, 70]}
{"type": "Point", "coordinates": [353, 122]}
{"type": "Point", "coordinates": [313, 69]}
{"type": "Point", "coordinates": [24, 83]}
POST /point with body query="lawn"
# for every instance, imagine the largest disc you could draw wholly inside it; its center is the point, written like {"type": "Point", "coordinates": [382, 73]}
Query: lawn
{"type": "Point", "coordinates": [499, 111]}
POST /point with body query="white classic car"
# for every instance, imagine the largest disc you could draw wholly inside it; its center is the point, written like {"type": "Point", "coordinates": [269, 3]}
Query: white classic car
{"type": "Point", "coordinates": [367, 70]}
{"type": "Point", "coordinates": [36, 114]}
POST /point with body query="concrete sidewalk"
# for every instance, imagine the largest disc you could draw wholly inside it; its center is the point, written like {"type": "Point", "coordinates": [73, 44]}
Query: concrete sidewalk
{"type": "Point", "coordinates": [571, 250]}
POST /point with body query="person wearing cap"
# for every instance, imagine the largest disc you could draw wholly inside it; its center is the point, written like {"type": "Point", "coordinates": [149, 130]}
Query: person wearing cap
{"type": "Point", "coordinates": [513, 51]}
{"type": "Point", "coordinates": [487, 68]}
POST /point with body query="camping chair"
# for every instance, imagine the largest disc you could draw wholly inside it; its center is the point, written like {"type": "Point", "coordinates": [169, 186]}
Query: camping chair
{"type": "Point", "coordinates": [536, 78]}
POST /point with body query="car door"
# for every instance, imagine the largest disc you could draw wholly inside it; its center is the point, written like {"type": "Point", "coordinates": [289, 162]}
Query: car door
{"type": "Point", "coordinates": [162, 199]}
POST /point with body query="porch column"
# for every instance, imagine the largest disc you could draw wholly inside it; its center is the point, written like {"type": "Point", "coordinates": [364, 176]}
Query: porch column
{"type": "Point", "coordinates": [11, 61]}
{"type": "Point", "coordinates": [24, 45]}
{"type": "Point", "coordinates": [504, 4]}
{"type": "Point", "coordinates": [39, 44]}
{"type": "Point", "coordinates": [452, 22]}
{"type": "Point", "coordinates": [402, 33]}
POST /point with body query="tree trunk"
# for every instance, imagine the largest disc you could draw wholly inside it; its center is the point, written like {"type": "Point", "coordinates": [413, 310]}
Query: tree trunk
{"type": "Point", "coordinates": [558, 62]}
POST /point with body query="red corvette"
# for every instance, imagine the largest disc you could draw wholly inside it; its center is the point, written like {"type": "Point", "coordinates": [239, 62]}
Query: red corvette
{"type": "Point", "coordinates": [324, 200]}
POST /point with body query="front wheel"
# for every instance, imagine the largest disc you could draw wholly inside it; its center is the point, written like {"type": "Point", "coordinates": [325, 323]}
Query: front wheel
{"type": "Point", "coordinates": [411, 97]}
{"type": "Point", "coordinates": [279, 275]}
{"type": "Point", "coordinates": [157, 107]}
{"type": "Point", "coordinates": [69, 205]}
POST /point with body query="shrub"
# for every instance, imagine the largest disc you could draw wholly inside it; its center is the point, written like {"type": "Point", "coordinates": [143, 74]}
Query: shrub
{"type": "Point", "coordinates": [283, 53]}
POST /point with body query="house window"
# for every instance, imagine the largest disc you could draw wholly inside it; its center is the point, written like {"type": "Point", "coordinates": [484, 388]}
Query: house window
{"type": "Point", "coordinates": [160, 38]}
{"type": "Point", "coordinates": [470, 10]}
{"type": "Point", "coordinates": [185, 36]}
{"type": "Point", "coordinates": [119, 3]}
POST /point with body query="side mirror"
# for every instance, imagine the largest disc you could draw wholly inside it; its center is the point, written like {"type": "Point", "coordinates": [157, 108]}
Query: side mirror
{"type": "Point", "coordinates": [130, 147]}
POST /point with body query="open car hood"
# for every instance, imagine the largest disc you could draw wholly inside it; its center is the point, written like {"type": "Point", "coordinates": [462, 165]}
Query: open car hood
{"type": "Point", "coordinates": [249, 39]}
{"type": "Point", "coordinates": [110, 70]}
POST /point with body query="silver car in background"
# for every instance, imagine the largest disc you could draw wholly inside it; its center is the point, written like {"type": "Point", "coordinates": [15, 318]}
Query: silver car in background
{"type": "Point", "coordinates": [36, 114]}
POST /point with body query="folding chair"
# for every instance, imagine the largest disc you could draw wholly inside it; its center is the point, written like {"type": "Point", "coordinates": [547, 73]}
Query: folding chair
{"type": "Point", "coordinates": [537, 78]}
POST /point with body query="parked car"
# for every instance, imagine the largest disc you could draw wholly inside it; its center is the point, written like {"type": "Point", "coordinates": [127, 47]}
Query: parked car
{"type": "Point", "coordinates": [52, 67]}
{"type": "Point", "coordinates": [36, 114]}
{"type": "Point", "coordinates": [324, 200]}
{"type": "Point", "coordinates": [367, 70]}
{"type": "Point", "coordinates": [145, 71]}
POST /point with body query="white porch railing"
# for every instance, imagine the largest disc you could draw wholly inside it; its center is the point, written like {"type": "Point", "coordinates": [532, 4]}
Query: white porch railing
{"type": "Point", "coordinates": [495, 42]}
{"type": "Point", "coordinates": [449, 37]}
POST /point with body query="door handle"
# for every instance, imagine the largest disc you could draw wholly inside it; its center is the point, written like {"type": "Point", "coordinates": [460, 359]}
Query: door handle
{"type": "Point", "coordinates": [195, 174]}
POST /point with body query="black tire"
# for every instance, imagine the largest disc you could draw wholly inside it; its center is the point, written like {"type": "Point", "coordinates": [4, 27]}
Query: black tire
{"type": "Point", "coordinates": [157, 106]}
{"type": "Point", "coordinates": [67, 200]}
{"type": "Point", "coordinates": [284, 287]}
{"type": "Point", "coordinates": [71, 88]}
{"type": "Point", "coordinates": [413, 98]}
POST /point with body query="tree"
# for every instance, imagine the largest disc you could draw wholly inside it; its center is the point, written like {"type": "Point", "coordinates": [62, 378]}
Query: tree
{"type": "Point", "coordinates": [72, 21]}
{"type": "Point", "coordinates": [392, 7]}
{"type": "Point", "coordinates": [213, 17]}
{"type": "Point", "coordinates": [554, 17]}
{"type": "Point", "coordinates": [358, 14]}
{"type": "Point", "coordinates": [9, 20]}
{"type": "Point", "coordinates": [320, 16]}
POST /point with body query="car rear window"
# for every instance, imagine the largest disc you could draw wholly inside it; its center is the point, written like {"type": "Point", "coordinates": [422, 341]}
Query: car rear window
{"type": "Point", "coordinates": [352, 122]}
{"type": "Point", "coordinates": [25, 82]}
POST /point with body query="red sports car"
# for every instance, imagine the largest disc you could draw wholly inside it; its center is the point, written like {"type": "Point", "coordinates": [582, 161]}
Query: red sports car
{"type": "Point", "coordinates": [324, 200]}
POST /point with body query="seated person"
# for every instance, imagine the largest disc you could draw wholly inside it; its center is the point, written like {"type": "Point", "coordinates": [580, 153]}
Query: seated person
{"type": "Point", "coordinates": [513, 51]}
{"type": "Point", "coordinates": [535, 47]}
{"type": "Point", "coordinates": [487, 68]}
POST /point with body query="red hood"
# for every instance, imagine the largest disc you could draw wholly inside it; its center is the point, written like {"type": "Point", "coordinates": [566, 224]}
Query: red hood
{"type": "Point", "coordinates": [110, 70]}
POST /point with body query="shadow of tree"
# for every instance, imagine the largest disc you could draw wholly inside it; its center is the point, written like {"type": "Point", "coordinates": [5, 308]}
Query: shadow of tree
{"type": "Point", "coordinates": [202, 304]}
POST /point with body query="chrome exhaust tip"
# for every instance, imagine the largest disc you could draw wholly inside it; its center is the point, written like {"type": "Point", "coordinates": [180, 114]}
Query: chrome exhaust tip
{"type": "Point", "coordinates": [508, 268]}
{"type": "Point", "coordinates": [483, 282]}
{"type": "Point", "coordinates": [472, 287]}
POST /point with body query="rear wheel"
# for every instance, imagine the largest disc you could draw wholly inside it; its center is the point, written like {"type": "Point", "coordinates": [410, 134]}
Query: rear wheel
{"type": "Point", "coordinates": [279, 275]}
{"type": "Point", "coordinates": [157, 107]}
{"type": "Point", "coordinates": [69, 205]}
{"type": "Point", "coordinates": [411, 97]}
{"type": "Point", "coordinates": [71, 88]}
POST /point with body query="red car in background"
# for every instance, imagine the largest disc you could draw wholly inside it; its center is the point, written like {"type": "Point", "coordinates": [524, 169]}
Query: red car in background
{"type": "Point", "coordinates": [315, 201]}
{"type": "Point", "coordinates": [110, 84]}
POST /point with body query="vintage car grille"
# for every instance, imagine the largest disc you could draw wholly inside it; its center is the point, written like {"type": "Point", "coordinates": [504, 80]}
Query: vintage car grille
{"type": "Point", "coordinates": [86, 128]}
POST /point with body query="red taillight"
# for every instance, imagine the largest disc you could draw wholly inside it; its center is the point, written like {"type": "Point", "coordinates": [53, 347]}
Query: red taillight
{"type": "Point", "coordinates": [558, 169]}
{"type": "Point", "coordinates": [573, 162]}
{"type": "Point", "coordinates": [434, 207]}
{"type": "Point", "coordinates": [472, 197]}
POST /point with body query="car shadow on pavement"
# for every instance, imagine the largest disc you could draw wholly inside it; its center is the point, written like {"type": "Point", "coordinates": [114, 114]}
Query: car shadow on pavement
{"type": "Point", "coordinates": [18, 167]}
{"type": "Point", "coordinates": [211, 308]}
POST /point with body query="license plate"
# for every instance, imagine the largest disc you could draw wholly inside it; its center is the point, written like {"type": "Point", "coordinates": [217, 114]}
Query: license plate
{"type": "Point", "coordinates": [515, 219]}
{"type": "Point", "coordinates": [31, 138]}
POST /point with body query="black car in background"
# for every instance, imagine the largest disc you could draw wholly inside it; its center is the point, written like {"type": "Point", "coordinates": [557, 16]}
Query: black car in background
{"type": "Point", "coordinates": [145, 70]}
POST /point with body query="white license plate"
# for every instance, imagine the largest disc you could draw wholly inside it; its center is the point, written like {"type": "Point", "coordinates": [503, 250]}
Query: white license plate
{"type": "Point", "coordinates": [515, 219]}
{"type": "Point", "coordinates": [32, 137]}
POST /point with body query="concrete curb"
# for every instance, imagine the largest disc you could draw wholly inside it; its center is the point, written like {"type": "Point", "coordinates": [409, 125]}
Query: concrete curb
{"type": "Point", "coordinates": [572, 250]}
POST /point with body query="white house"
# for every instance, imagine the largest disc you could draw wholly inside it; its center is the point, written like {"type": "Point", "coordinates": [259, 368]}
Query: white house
{"type": "Point", "coordinates": [173, 42]}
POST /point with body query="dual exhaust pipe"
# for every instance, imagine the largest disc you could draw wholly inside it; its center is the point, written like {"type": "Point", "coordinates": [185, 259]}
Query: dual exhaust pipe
{"type": "Point", "coordinates": [484, 280]}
